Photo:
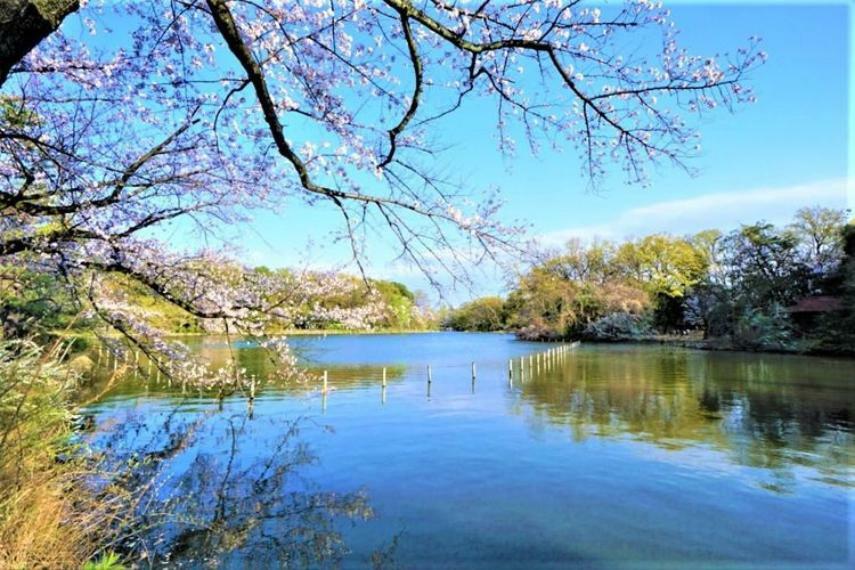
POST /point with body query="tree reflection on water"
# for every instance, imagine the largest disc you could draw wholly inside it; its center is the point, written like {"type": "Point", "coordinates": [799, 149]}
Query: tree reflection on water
{"type": "Point", "coordinates": [213, 489]}
{"type": "Point", "coordinates": [774, 413]}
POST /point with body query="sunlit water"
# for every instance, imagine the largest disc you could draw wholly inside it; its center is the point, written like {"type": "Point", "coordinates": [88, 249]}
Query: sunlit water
{"type": "Point", "coordinates": [606, 457]}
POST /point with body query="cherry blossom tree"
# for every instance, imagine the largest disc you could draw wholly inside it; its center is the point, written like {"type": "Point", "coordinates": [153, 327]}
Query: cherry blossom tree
{"type": "Point", "coordinates": [128, 116]}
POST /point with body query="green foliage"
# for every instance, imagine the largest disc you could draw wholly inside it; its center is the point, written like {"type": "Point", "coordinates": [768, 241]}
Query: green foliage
{"type": "Point", "coordinates": [764, 330]}
{"type": "Point", "coordinates": [158, 312]}
{"type": "Point", "coordinates": [542, 305]}
{"type": "Point", "coordinates": [14, 114]}
{"type": "Point", "coordinates": [759, 270]}
{"type": "Point", "coordinates": [548, 305]}
{"type": "Point", "coordinates": [46, 517]}
{"type": "Point", "coordinates": [736, 286]}
{"type": "Point", "coordinates": [588, 263]}
{"type": "Point", "coordinates": [836, 332]}
{"type": "Point", "coordinates": [34, 298]}
{"type": "Point", "coordinates": [818, 231]}
{"type": "Point", "coordinates": [484, 314]}
{"type": "Point", "coordinates": [401, 306]}
{"type": "Point", "coordinates": [764, 265]}
{"type": "Point", "coordinates": [394, 305]}
{"type": "Point", "coordinates": [661, 264]}
{"type": "Point", "coordinates": [32, 303]}
{"type": "Point", "coordinates": [617, 327]}
{"type": "Point", "coordinates": [109, 561]}
{"type": "Point", "coordinates": [33, 392]}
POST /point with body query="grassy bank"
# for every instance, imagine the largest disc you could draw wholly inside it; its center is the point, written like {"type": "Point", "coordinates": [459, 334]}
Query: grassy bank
{"type": "Point", "coordinates": [48, 516]}
{"type": "Point", "coordinates": [89, 336]}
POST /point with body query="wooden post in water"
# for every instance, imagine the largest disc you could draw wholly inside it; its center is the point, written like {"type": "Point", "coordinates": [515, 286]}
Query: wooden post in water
{"type": "Point", "coordinates": [430, 376]}
{"type": "Point", "coordinates": [510, 368]}
{"type": "Point", "coordinates": [250, 404]}
{"type": "Point", "coordinates": [384, 377]}
{"type": "Point", "coordinates": [326, 377]}
{"type": "Point", "coordinates": [383, 395]}
{"type": "Point", "coordinates": [473, 372]}
{"type": "Point", "coordinates": [221, 395]}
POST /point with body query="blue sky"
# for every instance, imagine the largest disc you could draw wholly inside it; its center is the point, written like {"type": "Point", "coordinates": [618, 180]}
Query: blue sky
{"type": "Point", "coordinates": [788, 150]}
{"type": "Point", "coordinates": [765, 161]}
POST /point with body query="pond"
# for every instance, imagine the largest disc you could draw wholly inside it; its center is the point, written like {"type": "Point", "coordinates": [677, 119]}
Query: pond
{"type": "Point", "coordinates": [606, 456]}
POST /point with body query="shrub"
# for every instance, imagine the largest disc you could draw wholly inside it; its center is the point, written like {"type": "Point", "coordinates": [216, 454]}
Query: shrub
{"type": "Point", "coordinates": [764, 330]}
{"type": "Point", "coordinates": [484, 314]}
{"type": "Point", "coordinates": [618, 326]}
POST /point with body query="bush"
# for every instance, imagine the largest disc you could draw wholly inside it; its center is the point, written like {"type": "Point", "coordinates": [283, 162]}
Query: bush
{"type": "Point", "coordinates": [482, 315]}
{"type": "Point", "coordinates": [539, 330]}
{"type": "Point", "coordinates": [618, 326]}
{"type": "Point", "coordinates": [764, 330]}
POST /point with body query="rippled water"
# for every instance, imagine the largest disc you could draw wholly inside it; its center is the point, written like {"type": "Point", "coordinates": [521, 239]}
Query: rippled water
{"type": "Point", "coordinates": [607, 457]}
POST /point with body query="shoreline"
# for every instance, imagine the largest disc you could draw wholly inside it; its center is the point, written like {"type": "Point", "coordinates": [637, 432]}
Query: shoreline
{"type": "Point", "coordinates": [719, 345]}
{"type": "Point", "coordinates": [290, 332]}
{"type": "Point", "coordinates": [712, 345]}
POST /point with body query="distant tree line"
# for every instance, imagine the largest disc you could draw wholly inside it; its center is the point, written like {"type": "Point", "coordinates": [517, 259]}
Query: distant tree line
{"type": "Point", "coordinates": [36, 304]}
{"type": "Point", "coordinates": [760, 287]}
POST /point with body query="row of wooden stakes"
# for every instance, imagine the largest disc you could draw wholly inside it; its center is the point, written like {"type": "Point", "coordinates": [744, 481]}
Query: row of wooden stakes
{"type": "Point", "coordinates": [547, 359]}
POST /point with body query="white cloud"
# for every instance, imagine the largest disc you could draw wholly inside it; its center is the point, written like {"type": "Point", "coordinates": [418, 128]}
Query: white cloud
{"type": "Point", "coordinates": [720, 210]}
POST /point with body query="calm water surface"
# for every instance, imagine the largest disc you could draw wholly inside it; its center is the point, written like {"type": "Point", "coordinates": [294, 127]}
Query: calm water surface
{"type": "Point", "coordinates": [611, 457]}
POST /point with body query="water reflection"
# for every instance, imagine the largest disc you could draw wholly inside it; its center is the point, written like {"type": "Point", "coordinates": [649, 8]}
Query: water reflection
{"type": "Point", "coordinates": [218, 489]}
{"type": "Point", "coordinates": [601, 458]}
{"type": "Point", "coordinates": [771, 412]}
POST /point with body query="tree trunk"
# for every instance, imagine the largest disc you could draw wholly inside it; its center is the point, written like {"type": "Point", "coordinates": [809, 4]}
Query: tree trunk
{"type": "Point", "coordinates": [24, 23]}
